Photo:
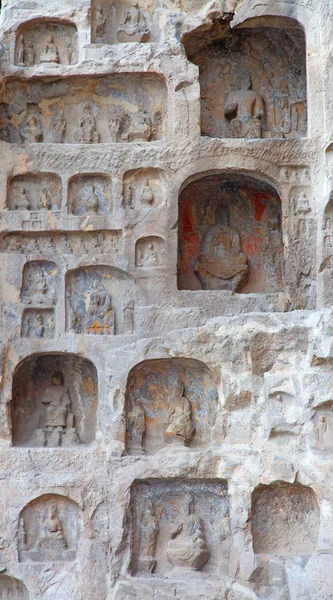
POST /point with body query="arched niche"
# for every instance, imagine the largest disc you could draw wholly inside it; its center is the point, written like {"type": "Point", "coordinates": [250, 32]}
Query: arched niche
{"type": "Point", "coordinates": [321, 438]}
{"type": "Point", "coordinates": [285, 519]}
{"type": "Point", "coordinates": [49, 529]}
{"type": "Point", "coordinates": [252, 78]}
{"type": "Point", "coordinates": [89, 193]}
{"type": "Point", "coordinates": [150, 252]}
{"type": "Point", "coordinates": [54, 401]}
{"type": "Point", "coordinates": [34, 191]}
{"type": "Point", "coordinates": [123, 21]}
{"type": "Point", "coordinates": [100, 301]}
{"type": "Point", "coordinates": [39, 283]}
{"type": "Point", "coordinates": [12, 588]}
{"type": "Point", "coordinates": [46, 41]}
{"type": "Point", "coordinates": [229, 235]}
{"type": "Point", "coordinates": [145, 188]}
{"type": "Point", "coordinates": [170, 404]}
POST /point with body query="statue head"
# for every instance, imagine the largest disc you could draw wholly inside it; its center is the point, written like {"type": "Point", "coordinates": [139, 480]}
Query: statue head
{"type": "Point", "coordinates": [50, 39]}
{"type": "Point", "coordinates": [39, 319]}
{"type": "Point", "coordinates": [222, 216]}
{"type": "Point", "coordinates": [53, 511]}
{"type": "Point", "coordinates": [57, 378]}
{"type": "Point", "coordinates": [179, 388]}
{"type": "Point", "coordinates": [243, 81]}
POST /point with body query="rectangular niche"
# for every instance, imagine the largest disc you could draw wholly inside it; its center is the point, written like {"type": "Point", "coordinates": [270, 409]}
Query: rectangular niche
{"type": "Point", "coordinates": [47, 42]}
{"type": "Point", "coordinates": [123, 22]}
{"type": "Point", "coordinates": [180, 526]}
{"type": "Point", "coordinates": [34, 191]}
{"type": "Point", "coordinates": [89, 194]}
{"type": "Point", "coordinates": [127, 107]}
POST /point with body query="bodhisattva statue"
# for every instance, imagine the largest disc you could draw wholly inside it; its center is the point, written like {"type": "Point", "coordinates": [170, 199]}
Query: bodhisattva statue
{"type": "Point", "coordinates": [136, 427]}
{"type": "Point", "coordinates": [53, 535]}
{"type": "Point", "coordinates": [221, 264]}
{"type": "Point", "coordinates": [187, 548]}
{"type": "Point", "coordinates": [244, 108]}
{"type": "Point", "coordinates": [57, 417]}
{"type": "Point", "coordinates": [59, 124]}
{"type": "Point", "coordinates": [147, 195]}
{"type": "Point", "coordinates": [148, 538]}
{"type": "Point", "coordinates": [100, 313]}
{"type": "Point", "coordinates": [88, 133]}
{"type": "Point", "coordinates": [178, 427]}
{"type": "Point", "coordinates": [141, 127]}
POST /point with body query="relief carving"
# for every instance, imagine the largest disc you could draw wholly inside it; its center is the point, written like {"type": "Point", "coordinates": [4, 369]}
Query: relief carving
{"type": "Point", "coordinates": [149, 252]}
{"type": "Point", "coordinates": [46, 42]}
{"type": "Point", "coordinates": [321, 438]}
{"type": "Point", "coordinates": [39, 283]}
{"type": "Point", "coordinates": [54, 401]}
{"type": "Point", "coordinates": [34, 192]}
{"type": "Point", "coordinates": [94, 297]}
{"type": "Point", "coordinates": [125, 21]}
{"type": "Point", "coordinates": [122, 107]}
{"type": "Point", "coordinates": [89, 194]}
{"type": "Point", "coordinates": [134, 26]}
{"type": "Point", "coordinates": [88, 243]}
{"type": "Point", "coordinates": [172, 529]}
{"type": "Point", "coordinates": [50, 528]}
{"type": "Point", "coordinates": [37, 324]}
{"type": "Point", "coordinates": [227, 240]}
{"type": "Point", "coordinates": [12, 589]}
{"type": "Point", "coordinates": [164, 400]}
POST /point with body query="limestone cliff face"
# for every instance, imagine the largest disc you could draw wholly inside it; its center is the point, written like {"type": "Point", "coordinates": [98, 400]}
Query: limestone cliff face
{"type": "Point", "coordinates": [166, 266]}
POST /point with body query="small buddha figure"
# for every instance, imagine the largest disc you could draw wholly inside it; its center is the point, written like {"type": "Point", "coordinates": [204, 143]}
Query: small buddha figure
{"type": "Point", "coordinates": [39, 328]}
{"type": "Point", "coordinates": [147, 196]}
{"type": "Point", "coordinates": [50, 54]}
{"type": "Point", "coordinates": [187, 549]}
{"type": "Point", "coordinates": [100, 313]}
{"type": "Point", "coordinates": [31, 128]}
{"type": "Point", "coordinates": [88, 132]}
{"type": "Point", "coordinates": [128, 316]}
{"type": "Point", "coordinates": [149, 257]}
{"type": "Point", "coordinates": [136, 427]}
{"type": "Point", "coordinates": [141, 126]}
{"type": "Point", "coordinates": [40, 287]}
{"type": "Point", "coordinates": [57, 401]}
{"type": "Point", "coordinates": [59, 124]}
{"type": "Point", "coordinates": [92, 204]}
{"type": "Point", "coordinates": [302, 203]}
{"type": "Point", "coordinates": [149, 528]}
{"type": "Point", "coordinates": [134, 27]}
{"type": "Point", "coordinates": [244, 108]}
{"type": "Point", "coordinates": [53, 534]}
{"type": "Point", "coordinates": [178, 427]}
{"type": "Point", "coordinates": [22, 203]}
{"type": "Point", "coordinates": [221, 264]}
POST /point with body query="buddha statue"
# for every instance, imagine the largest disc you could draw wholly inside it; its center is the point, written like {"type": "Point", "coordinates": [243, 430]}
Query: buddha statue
{"type": "Point", "coordinates": [178, 427]}
{"type": "Point", "coordinates": [244, 108]}
{"type": "Point", "coordinates": [187, 549]}
{"type": "Point", "coordinates": [147, 196]}
{"type": "Point", "coordinates": [22, 203]}
{"type": "Point", "coordinates": [50, 54]}
{"type": "Point", "coordinates": [221, 264]}
{"type": "Point", "coordinates": [53, 535]}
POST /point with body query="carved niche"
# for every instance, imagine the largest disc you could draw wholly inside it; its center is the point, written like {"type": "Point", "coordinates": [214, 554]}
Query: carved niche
{"type": "Point", "coordinates": [123, 107]}
{"type": "Point", "coordinates": [171, 404]}
{"type": "Point", "coordinates": [180, 526]}
{"type": "Point", "coordinates": [252, 79]}
{"type": "Point", "coordinates": [123, 21]}
{"type": "Point", "coordinates": [47, 42]}
{"type": "Point", "coordinates": [284, 519]}
{"type": "Point", "coordinates": [49, 530]}
{"type": "Point", "coordinates": [229, 236]}
{"type": "Point", "coordinates": [145, 188]}
{"type": "Point", "coordinates": [12, 589]}
{"type": "Point", "coordinates": [54, 401]}
{"type": "Point", "coordinates": [39, 283]}
{"type": "Point", "coordinates": [89, 194]}
{"type": "Point", "coordinates": [150, 252]}
{"type": "Point", "coordinates": [89, 243]}
{"type": "Point", "coordinates": [322, 428]}
{"type": "Point", "coordinates": [34, 192]}
{"type": "Point", "coordinates": [100, 301]}
{"type": "Point", "coordinates": [37, 323]}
